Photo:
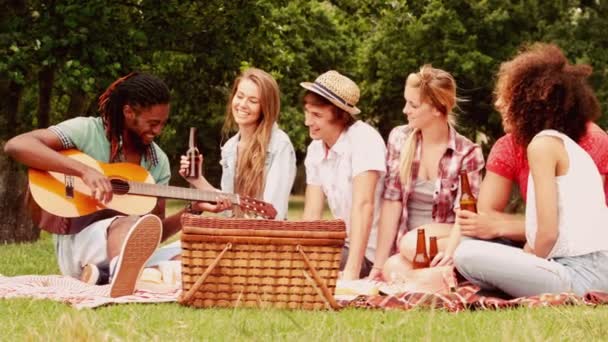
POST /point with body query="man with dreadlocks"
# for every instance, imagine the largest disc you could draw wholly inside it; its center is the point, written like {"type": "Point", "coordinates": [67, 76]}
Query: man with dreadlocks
{"type": "Point", "coordinates": [134, 110]}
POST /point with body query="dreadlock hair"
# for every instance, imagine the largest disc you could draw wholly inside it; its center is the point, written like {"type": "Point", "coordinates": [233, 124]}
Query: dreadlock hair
{"type": "Point", "coordinates": [136, 90]}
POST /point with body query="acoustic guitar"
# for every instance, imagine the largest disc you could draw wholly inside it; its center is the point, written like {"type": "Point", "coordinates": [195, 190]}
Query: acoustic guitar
{"type": "Point", "coordinates": [134, 191]}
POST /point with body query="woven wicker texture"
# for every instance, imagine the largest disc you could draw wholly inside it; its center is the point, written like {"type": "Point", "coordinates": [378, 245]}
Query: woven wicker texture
{"type": "Point", "coordinates": [260, 263]}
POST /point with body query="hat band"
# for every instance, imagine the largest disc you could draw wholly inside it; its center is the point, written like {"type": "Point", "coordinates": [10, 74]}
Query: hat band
{"type": "Point", "coordinates": [332, 95]}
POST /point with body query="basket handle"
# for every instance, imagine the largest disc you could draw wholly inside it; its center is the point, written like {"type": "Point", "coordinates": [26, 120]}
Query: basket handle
{"type": "Point", "coordinates": [328, 296]}
{"type": "Point", "coordinates": [185, 299]}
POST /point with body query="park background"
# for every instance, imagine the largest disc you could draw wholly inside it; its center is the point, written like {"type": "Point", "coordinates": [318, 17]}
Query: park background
{"type": "Point", "coordinates": [57, 57]}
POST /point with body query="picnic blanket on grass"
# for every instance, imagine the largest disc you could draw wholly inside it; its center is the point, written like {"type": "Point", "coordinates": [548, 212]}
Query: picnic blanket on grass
{"type": "Point", "coordinates": [467, 298]}
{"type": "Point", "coordinates": [78, 294]}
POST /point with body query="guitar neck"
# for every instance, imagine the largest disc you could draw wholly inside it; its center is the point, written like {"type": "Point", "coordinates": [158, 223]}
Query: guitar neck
{"type": "Point", "coordinates": [167, 191]}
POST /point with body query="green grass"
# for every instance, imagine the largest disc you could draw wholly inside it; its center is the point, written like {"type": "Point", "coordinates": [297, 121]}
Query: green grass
{"type": "Point", "coordinates": [22, 319]}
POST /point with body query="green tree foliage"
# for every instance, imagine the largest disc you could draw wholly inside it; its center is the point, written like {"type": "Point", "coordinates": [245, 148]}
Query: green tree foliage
{"type": "Point", "coordinates": [56, 57]}
{"type": "Point", "coordinates": [302, 40]}
{"type": "Point", "coordinates": [204, 45]}
{"type": "Point", "coordinates": [199, 47]}
{"type": "Point", "coordinates": [583, 37]}
{"type": "Point", "coordinates": [71, 49]}
{"type": "Point", "coordinates": [468, 38]}
{"type": "Point", "coordinates": [198, 52]}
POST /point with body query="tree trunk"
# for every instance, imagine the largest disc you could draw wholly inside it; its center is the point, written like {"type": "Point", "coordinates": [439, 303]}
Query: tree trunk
{"type": "Point", "coordinates": [12, 107]}
{"type": "Point", "coordinates": [78, 104]}
{"type": "Point", "coordinates": [91, 108]}
{"type": "Point", "coordinates": [16, 224]}
{"type": "Point", "coordinates": [46, 78]}
{"type": "Point", "coordinates": [4, 95]}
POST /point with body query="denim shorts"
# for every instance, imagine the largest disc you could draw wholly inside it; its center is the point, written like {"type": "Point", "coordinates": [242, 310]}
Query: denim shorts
{"type": "Point", "coordinates": [588, 271]}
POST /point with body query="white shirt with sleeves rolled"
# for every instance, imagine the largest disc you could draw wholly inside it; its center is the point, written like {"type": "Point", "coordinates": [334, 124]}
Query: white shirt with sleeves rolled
{"type": "Point", "coordinates": [358, 149]}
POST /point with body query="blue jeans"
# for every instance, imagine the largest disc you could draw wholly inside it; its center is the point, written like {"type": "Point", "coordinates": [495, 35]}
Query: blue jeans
{"type": "Point", "coordinates": [509, 269]}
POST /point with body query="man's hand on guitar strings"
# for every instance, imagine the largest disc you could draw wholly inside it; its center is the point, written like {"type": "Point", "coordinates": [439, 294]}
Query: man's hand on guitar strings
{"type": "Point", "coordinates": [101, 188]}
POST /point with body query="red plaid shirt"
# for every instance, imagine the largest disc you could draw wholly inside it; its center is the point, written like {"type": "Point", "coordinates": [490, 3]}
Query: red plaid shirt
{"type": "Point", "coordinates": [461, 153]}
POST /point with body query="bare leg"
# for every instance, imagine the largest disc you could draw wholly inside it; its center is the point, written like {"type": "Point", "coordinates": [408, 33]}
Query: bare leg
{"type": "Point", "coordinates": [395, 268]}
{"type": "Point", "coordinates": [398, 265]}
{"type": "Point", "coordinates": [407, 245]}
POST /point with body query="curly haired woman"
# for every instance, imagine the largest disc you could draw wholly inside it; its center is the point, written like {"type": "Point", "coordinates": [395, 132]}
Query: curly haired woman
{"type": "Point", "coordinates": [546, 103]}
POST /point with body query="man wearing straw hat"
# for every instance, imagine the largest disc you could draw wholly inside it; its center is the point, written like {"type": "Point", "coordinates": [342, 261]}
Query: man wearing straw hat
{"type": "Point", "coordinates": [345, 163]}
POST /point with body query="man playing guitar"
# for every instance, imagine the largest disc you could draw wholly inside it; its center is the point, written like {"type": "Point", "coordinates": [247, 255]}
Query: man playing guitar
{"type": "Point", "coordinates": [134, 110]}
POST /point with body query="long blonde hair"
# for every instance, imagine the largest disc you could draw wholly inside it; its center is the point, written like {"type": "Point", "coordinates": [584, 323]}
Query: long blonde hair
{"type": "Point", "coordinates": [437, 88]}
{"type": "Point", "coordinates": [250, 173]}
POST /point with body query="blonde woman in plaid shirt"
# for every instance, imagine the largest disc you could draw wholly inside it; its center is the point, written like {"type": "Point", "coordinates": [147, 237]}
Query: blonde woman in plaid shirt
{"type": "Point", "coordinates": [422, 184]}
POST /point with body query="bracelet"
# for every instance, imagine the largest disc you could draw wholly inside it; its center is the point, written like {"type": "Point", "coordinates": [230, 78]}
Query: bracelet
{"type": "Point", "coordinates": [191, 210]}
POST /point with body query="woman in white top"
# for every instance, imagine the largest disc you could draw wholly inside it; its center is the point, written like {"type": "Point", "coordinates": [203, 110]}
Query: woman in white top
{"type": "Point", "coordinates": [545, 102]}
{"type": "Point", "coordinates": [259, 160]}
{"type": "Point", "coordinates": [253, 108]}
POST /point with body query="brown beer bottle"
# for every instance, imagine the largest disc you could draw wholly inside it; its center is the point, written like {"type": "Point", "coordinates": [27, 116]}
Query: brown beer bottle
{"type": "Point", "coordinates": [467, 200]}
{"type": "Point", "coordinates": [432, 247]}
{"type": "Point", "coordinates": [193, 156]}
{"type": "Point", "coordinates": [421, 259]}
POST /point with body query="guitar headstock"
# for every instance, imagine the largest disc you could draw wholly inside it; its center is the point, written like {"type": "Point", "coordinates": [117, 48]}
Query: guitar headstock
{"type": "Point", "coordinates": [257, 207]}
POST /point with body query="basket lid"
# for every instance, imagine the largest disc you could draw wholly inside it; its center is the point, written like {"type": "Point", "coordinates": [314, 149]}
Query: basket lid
{"type": "Point", "coordinates": [195, 224]}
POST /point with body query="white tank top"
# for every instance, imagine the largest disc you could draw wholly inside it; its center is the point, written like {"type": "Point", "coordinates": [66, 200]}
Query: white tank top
{"type": "Point", "coordinates": [582, 211]}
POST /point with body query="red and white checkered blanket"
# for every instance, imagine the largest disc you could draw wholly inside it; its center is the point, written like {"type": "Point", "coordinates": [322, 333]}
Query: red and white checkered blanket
{"type": "Point", "coordinates": [80, 295]}
{"type": "Point", "coordinates": [466, 298]}
{"type": "Point", "coordinates": [76, 293]}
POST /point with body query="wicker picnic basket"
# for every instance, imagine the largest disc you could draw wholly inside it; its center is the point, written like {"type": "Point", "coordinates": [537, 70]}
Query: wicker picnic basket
{"type": "Point", "coordinates": [228, 262]}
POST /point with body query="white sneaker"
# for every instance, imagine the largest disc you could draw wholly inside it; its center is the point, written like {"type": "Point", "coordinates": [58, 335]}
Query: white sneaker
{"type": "Point", "coordinates": [141, 242]}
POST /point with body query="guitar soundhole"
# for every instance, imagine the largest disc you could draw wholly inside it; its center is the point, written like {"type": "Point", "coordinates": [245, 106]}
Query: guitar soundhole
{"type": "Point", "coordinates": [119, 186]}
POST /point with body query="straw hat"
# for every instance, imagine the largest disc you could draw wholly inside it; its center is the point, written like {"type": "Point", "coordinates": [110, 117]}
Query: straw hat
{"type": "Point", "coordinates": [338, 89]}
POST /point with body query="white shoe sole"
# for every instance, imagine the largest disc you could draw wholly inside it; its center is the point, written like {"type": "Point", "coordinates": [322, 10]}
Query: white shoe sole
{"type": "Point", "coordinates": [141, 242]}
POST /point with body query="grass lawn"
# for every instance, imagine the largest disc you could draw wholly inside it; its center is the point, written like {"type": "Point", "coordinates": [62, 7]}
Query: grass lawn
{"type": "Point", "coordinates": [45, 320]}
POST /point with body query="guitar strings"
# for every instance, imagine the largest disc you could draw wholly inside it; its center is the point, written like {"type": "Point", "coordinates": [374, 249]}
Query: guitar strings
{"type": "Point", "coordinates": [123, 187]}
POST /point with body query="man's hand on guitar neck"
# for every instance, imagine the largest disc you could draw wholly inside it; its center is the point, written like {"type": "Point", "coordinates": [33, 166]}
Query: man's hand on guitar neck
{"type": "Point", "coordinates": [222, 204]}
